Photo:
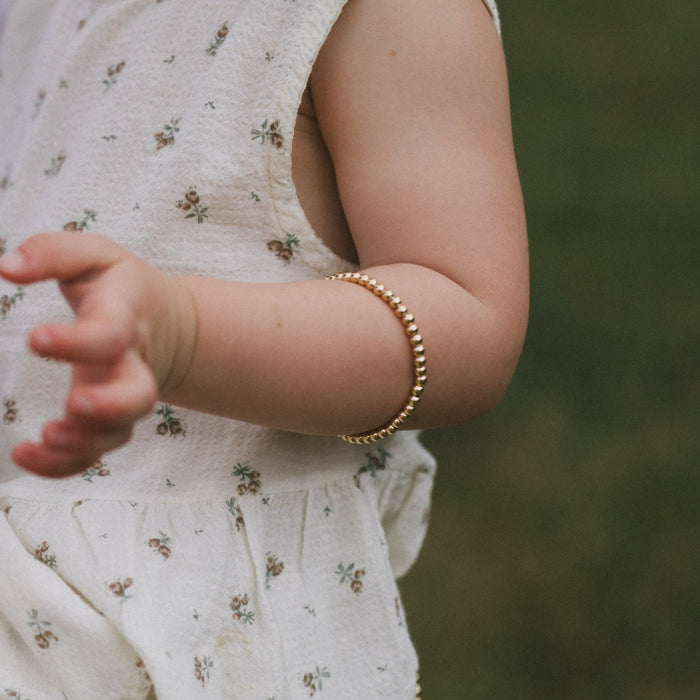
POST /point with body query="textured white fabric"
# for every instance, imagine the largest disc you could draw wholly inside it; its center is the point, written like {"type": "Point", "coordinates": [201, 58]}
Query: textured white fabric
{"type": "Point", "coordinates": [208, 557]}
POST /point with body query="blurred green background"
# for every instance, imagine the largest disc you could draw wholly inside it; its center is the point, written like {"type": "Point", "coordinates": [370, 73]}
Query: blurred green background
{"type": "Point", "coordinates": [563, 557]}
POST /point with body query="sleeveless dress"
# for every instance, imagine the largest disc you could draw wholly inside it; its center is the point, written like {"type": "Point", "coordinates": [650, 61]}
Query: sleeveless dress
{"type": "Point", "coordinates": [208, 557]}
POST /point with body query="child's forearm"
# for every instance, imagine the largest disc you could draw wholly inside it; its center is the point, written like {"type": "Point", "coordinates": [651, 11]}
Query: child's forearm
{"type": "Point", "coordinates": [327, 357]}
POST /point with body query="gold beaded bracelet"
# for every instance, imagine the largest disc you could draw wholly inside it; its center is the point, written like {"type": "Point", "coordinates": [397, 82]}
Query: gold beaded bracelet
{"type": "Point", "coordinates": [417, 350]}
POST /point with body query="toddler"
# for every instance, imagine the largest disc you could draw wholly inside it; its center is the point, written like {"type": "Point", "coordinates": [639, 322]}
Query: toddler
{"type": "Point", "coordinates": [273, 224]}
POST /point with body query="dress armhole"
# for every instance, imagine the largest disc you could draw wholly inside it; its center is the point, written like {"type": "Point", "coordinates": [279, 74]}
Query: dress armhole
{"type": "Point", "coordinates": [490, 5]}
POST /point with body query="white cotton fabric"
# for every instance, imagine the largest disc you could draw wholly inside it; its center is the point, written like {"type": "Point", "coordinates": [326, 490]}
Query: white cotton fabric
{"type": "Point", "coordinates": [208, 557]}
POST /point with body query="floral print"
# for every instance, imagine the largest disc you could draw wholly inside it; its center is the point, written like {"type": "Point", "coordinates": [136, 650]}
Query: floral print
{"type": "Point", "coordinates": [11, 414]}
{"type": "Point", "coordinates": [241, 613]}
{"type": "Point", "coordinates": [235, 510]}
{"type": "Point", "coordinates": [269, 132]}
{"type": "Point", "coordinates": [8, 301]}
{"type": "Point", "coordinates": [112, 73]}
{"type": "Point", "coordinates": [249, 479]}
{"type": "Point", "coordinates": [43, 636]}
{"type": "Point", "coordinates": [376, 460]}
{"type": "Point", "coordinates": [349, 574]}
{"type": "Point", "coordinates": [202, 669]}
{"type": "Point", "coordinates": [219, 39]}
{"type": "Point", "coordinates": [161, 545]}
{"type": "Point", "coordinates": [89, 215]}
{"type": "Point", "coordinates": [41, 552]}
{"type": "Point", "coordinates": [166, 137]}
{"type": "Point", "coordinates": [273, 567]}
{"type": "Point", "coordinates": [98, 469]}
{"type": "Point", "coordinates": [119, 588]}
{"type": "Point", "coordinates": [170, 424]}
{"type": "Point", "coordinates": [193, 206]}
{"type": "Point", "coordinates": [56, 165]}
{"type": "Point", "coordinates": [284, 250]}
{"type": "Point", "coordinates": [313, 680]}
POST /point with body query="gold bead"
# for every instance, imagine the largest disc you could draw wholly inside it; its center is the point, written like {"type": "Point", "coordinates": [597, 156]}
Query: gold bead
{"type": "Point", "coordinates": [417, 350]}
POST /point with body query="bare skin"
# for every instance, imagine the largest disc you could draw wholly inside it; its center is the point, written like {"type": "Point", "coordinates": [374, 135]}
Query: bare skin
{"type": "Point", "coordinates": [411, 102]}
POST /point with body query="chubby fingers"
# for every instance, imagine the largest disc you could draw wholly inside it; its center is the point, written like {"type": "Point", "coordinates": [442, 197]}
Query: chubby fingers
{"type": "Point", "coordinates": [101, 409]}
{"type": "Point", "coordinates": [112, 395]}
{"type": "Point", "coordinates": [63, 256]}
{"type": "Point", "coordinates": [93, 339]}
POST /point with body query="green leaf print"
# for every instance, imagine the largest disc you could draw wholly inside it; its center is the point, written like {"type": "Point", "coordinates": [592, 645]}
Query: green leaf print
{"type": "Point", "coordinates": [9, 301]}
{"type": "Point", "coordinates": [313, 680]}
{"type": "Point", "coordinates": [44, 637]}
{"type": "Point", "coordinates": [112, 73]}
{"type": "Point", "coordinates": [84, 223]}
{"type": "Point", "coordinates": [166, 137]}
{"type": "Point", "coordinates": [202, 669]}
{"type": "Point", "coordinates": [284, 250]}
{"type": "Point", "coordinates": [161, 545]}
{"type": "Point", "coordinates": [56, 165]}
{"type": "Point", "coordinates": [249, 478]}
{"type": "Point", "coordinates": [98, 469]}
{"type": "Point", "coordinates": [241, 613]}
{"type": "Point", "coordinates": [42, 554]}
{"type": "Point", "coordinates": [348, 574]}
{"type": "Point", "coordinates": [269, 132]}
{"type": "Point", "coordinates": [193, 205]}
{"type": "Point", "coordinates": [219, 39]}
{"type": "Point", "coordinates": [273, 568]}
{"type": "Point", "coordinates": [171, 424]}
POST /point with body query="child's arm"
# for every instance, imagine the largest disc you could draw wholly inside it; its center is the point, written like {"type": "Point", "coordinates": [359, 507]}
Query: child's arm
{"type": "Point", "coordinates": [412, 102]}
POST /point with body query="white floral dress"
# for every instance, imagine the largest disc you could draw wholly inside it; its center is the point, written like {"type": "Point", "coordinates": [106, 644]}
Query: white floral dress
{"type": "Point", "coordinates": [207, 558]}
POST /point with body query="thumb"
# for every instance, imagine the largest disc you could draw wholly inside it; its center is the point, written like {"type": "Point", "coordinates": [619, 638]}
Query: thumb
{"type": "Point", "coordinates": [61, 256]}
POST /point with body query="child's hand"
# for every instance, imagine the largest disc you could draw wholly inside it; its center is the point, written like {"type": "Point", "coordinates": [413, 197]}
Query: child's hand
{"type": "Point", "coordinates": [117, 345]}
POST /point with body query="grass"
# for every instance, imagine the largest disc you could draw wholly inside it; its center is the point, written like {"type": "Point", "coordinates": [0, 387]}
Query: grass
{"type": "Point", "coordinates": [563, 558]}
